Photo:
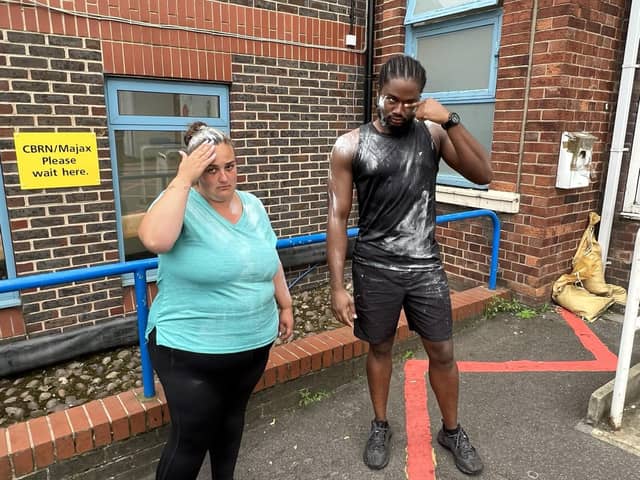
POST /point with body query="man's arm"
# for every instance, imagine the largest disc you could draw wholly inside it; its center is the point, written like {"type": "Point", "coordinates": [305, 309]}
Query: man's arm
{"type": "Point", "coordinates": [457, 146]}
{"type": "Point", "coordinates": [340, 193]}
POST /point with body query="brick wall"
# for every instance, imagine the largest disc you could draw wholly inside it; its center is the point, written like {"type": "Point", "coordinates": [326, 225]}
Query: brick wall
{"type": "Point", "coordinates": [576, 64]}
{"type": "Point", "coordinates": [54, 83]}
{"type": "Point", "coordinates": [573, 80]}
{"type": "Point", "coordinates": [288, 100]}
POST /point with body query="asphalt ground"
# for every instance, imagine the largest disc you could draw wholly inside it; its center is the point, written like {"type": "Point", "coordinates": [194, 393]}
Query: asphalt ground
{"type": "Point", "coordinates": [525, 386]}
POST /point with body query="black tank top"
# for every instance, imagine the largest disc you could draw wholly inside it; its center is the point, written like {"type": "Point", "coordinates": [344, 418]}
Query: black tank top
{"type": "Point", "coordinates": [395, 178]}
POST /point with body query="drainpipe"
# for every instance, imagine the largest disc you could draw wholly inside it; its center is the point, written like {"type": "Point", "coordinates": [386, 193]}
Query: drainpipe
{"type": "Point", "coordinates": [368, 67]}
{"type": "Point", "coordinates": [620, 128]}
{"type": "Point", "coordinates": [527, 90]}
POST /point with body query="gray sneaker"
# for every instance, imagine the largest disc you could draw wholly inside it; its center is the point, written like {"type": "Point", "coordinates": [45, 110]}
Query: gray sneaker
{"type": "Point", "coordinates": [467, 459]}
{"type": "Point", "coordinates": [378, 450]}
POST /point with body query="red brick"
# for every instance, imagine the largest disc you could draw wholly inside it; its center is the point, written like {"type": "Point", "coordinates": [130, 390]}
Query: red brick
{"type": "Point", "coordinates": [281, 366]}
{"type": "Point", "coordinates": [117, 417]}
{"type": "Point", "coordinates": [82, 435]}
{"type": "Point", "coordinates": [99, 423]}
{"type": "Point", "coordinates": [62, 435]}
{"type": "Point", "coordinates": [153, 410]}
{"type": "Point", "coordinates": [5, 464]}
{"type": "Point", "coordinates": [20, 448]}
{"type": "Point", "coordinates": [135, 412]}
{"type": "Point", "coordinates": [305, 359]}
{"type": "Point", "coordinates": [313, 351]}
{"type": "Point", "coordinates": [42, 441]}
{"type": "Point", "coordinates": [292, 359]}
{"type": "Point", "coordinates": [269, 376]}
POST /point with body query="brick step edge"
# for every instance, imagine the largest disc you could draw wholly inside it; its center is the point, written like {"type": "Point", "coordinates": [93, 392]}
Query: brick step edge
{"type": "Point", "coordinates": [37, 443]}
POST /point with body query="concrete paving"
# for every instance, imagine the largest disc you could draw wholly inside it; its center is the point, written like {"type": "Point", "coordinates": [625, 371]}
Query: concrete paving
{"type": "Point", "coordinates": [525, 388]}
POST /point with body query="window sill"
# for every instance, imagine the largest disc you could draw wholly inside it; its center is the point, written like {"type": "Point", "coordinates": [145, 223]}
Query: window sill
{"type": "Point", "coordinates": [630, 215]}
{"type": "Point", "coordinates": [504, 202]}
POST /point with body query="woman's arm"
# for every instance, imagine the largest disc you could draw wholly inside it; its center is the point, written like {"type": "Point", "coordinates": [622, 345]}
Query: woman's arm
{"type": "Point", "coordinates": [162, 224]}
{"type": "Point", "coordinates": [285, 304]}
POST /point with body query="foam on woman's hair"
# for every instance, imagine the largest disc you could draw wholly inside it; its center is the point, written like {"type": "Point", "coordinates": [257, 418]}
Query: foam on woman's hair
{"type": "Point", "coordinates": [207, 134]}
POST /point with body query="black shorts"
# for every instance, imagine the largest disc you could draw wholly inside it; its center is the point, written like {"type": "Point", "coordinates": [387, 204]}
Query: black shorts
{"type": "Point", "coordinates": [379, 295]}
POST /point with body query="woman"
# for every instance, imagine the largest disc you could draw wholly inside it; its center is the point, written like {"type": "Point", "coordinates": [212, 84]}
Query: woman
{"type": "Point", "coordinates": [215, 316]}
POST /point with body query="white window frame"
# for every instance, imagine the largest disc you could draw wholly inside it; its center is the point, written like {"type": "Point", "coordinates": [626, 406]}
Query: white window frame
{"type": "Point", "coordinates": [631, 203]}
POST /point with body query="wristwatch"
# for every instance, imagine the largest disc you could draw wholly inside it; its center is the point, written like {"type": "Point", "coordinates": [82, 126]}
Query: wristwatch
{"type": "Point", "coordinates": [454, 119]}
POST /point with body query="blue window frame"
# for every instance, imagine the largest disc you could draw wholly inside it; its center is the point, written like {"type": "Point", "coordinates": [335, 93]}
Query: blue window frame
{"type": "Point", "coordinates": [460, 56]}
{"type": "Point", "coordinates": [147, 120]}
{"type": "Point", "coordinates": [7, 264]}
{"type": "Point", "coordinates": [421, 10]}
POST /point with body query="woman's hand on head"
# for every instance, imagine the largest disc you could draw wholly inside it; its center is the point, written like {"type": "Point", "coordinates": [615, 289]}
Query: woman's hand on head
{"type": "Point", "coordinates": [285, 326]}
{"type": "Point", "coordinates": [193, 165]}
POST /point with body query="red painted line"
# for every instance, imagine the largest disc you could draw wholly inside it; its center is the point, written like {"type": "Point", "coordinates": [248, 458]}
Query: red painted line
{"type": "Point", "coordinates": [588, 339]}
{"type": "Point", "coordinates": [419, 451]}
{"type": "Point", "coordinates": [420, 464]}
{"type": "Point", "coordinates": [535, 366]}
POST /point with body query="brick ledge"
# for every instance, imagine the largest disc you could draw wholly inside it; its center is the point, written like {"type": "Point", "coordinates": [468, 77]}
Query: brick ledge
{"type": "Point", "coordinates": [37, 443]}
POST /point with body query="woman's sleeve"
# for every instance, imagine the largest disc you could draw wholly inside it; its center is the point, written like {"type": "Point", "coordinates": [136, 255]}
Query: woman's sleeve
{"type": "Point", "coordinates": [265, 224]}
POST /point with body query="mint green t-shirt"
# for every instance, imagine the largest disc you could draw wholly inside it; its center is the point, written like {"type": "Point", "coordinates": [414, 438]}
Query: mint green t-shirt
{"type": "Point", "coordinates": [215, 286]}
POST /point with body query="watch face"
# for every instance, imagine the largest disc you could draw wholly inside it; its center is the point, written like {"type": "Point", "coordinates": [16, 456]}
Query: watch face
{"type": "Point", "coordinates": [454, 118]}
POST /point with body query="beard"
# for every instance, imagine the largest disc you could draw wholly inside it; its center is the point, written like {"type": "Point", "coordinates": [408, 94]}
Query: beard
{"type": "Point", "coordinates": [396, 130]}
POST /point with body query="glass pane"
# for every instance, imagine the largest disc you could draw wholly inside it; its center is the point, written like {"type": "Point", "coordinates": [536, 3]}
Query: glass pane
{"type": "Point", "coordinates": [638, 192]}
{"type": "Point", "coordinates": [457, 61]}
{"type": "Point", "coordinates": [423, 6]}
{"type": "Point", "coordinates": [478, 119]}
{"type": "Point", "coordinates": [147, 161]}
{"type": "Point", "coordinates": [3, 264]}
{"type": "Point", "coordinates": [159, 104]}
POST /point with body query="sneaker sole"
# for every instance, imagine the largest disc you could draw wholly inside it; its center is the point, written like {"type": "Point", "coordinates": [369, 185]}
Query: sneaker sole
{"type": "Point", "coordinates": [458, 466]}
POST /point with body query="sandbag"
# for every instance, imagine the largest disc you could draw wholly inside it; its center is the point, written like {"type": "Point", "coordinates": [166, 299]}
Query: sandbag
{"type": "Point", "coordinates": [578, 299]}
{"type": "Point", "coordinates": [587, 260]}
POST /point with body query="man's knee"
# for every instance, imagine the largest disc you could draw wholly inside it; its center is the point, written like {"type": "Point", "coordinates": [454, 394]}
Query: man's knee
{"type": "Point", "coordinates": [440, 353]}
{"type": "Point", "coordinates": [382, 349]}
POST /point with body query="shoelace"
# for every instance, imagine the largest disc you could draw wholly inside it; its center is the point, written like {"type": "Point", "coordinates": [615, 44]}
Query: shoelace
{"type": "Point", "coordinates": [377, 438]}
{"type": "Point", "coordinates": [463, 445]}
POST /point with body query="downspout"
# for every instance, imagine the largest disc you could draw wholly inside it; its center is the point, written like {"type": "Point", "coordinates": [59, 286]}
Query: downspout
{"type": "Point", "coordinates": [620, 129]}
{"type": "Point", "coordinates": [368, 67]}
{"type": "Point", "coordinates": [527, 87]}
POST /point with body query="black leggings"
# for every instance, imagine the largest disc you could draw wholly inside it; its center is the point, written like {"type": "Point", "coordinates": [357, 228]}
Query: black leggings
{"type": "Point", "coordinates": [207, 395]}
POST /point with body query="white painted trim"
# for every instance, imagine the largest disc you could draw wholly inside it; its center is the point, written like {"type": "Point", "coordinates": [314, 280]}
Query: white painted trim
{"type": "Point", "coordinates": [505, 202]}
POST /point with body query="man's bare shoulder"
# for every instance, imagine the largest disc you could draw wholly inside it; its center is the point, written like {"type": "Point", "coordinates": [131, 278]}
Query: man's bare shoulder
{"type": "Point", "coordinates": [346, 146]}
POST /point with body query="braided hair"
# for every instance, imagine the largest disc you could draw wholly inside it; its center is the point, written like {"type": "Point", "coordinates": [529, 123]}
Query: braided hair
{"type": "Point", "coordinates": [405, 67]}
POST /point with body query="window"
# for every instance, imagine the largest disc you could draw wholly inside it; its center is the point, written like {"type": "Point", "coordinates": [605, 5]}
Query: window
{"type": "Point", "coordinates": [147, 121]}
{"type": "Point", "coordinates": [7, 265]}
{"type": "Point", "coordinates": [419, 10]}
{"type": "Point", "coordinates": [631, 205]}
{"type": "Point", "coordinates": [460, 57]}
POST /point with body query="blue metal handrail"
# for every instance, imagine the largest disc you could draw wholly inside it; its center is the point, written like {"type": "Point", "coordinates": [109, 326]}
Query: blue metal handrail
{"type": "Point", "coordinates": [140, 267]}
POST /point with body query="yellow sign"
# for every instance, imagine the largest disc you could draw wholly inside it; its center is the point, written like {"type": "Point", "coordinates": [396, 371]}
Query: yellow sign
{"type": "Point", "coordinates": [57, 159]}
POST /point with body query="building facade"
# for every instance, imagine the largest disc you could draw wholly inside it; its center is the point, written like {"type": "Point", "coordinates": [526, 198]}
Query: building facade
{"type": "Point", "coordinates": [285, 79]}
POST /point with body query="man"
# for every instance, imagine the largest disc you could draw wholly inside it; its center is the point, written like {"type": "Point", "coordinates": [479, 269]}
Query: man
{"type": "Point", "coordinates": [393, 163]}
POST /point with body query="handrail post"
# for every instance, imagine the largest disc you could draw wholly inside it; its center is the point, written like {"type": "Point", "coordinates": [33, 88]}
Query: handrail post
{"type": "Point", "coordinates": [495, 242]}
{"type": "Point", "coordinates": [629, 328]}
{"type": "Point", "coordinates": [142, 310]}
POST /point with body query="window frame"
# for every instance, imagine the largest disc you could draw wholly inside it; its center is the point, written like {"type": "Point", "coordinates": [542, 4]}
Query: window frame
{"type": "Point", "coordinates": [121, 122]}
{"type": "Point", "coordinates": [411, 18]}
{"type": "Point", "coordinates": [631, 202]}
{"type": "Point", "coordinates": [488, 95]}
{"type": "Point", "coordinates": [7, 299]}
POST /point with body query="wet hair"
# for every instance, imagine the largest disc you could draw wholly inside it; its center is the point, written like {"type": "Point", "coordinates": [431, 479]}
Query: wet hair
{"type": "Point", "coordinates": [199, 132]}
{"type": "Point", "coordinates": [405, 67]}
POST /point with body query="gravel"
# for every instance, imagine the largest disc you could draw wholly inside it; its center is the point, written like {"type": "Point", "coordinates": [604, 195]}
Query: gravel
{"type": "Point", "coordinates": [58, 387]}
